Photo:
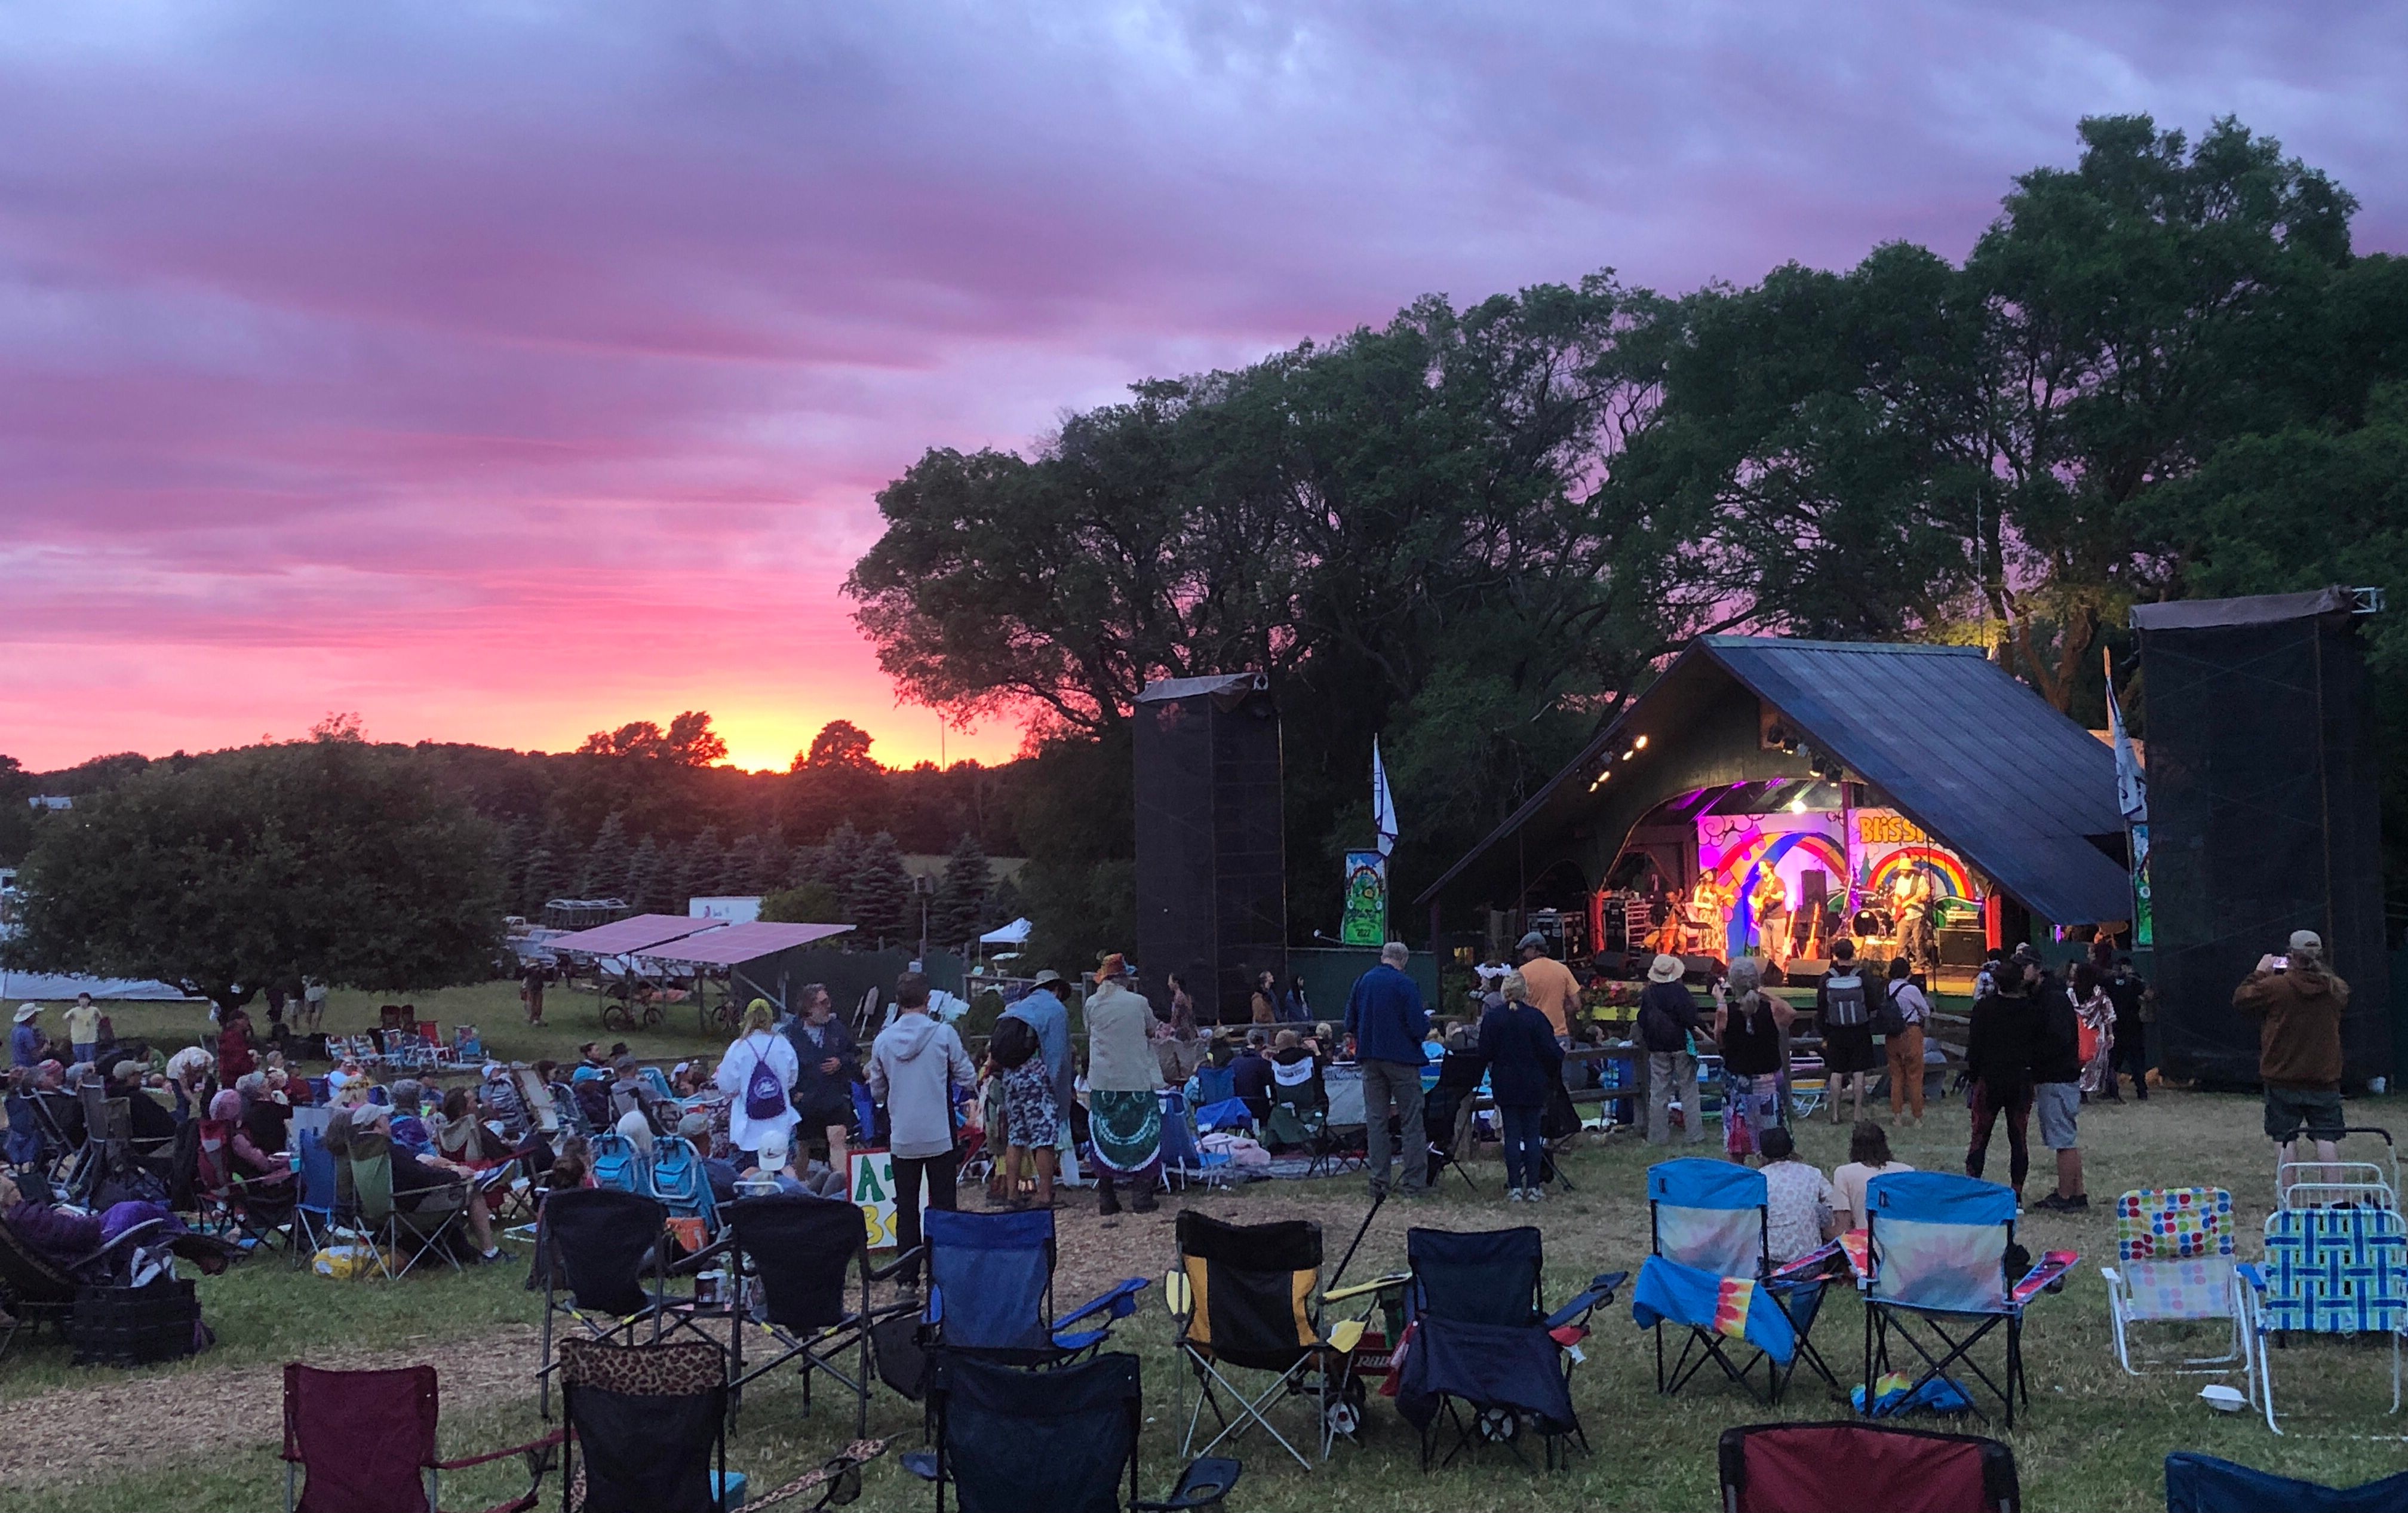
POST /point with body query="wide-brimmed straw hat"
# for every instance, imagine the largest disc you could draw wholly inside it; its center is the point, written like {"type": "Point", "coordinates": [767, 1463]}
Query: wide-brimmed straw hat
{"type": "Point", "coordinates": [1664, 969]}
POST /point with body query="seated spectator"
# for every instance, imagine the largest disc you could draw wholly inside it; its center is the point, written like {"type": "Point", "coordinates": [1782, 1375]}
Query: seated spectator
{"type": "Point", "coordinates": [423, 1182]}
{"type": "Point", "coordinates": [573, 1167]}
{"type": "Point", "coordinates": [684, 1080]}
{"type": "Point", "coordinates": [1799, 1200]}
{"type": "Point", "coordinates": [346, 1076]}
{"type": "Point", "coordinates": [638, 1130]}
{"type": "Point", "coordinates": [499, 1098]}
{"type": "Point", "coordinates": [463, 1139]}
{"type": "Point", "coordinates": [818, 1180]}
{"type": "Point", "coordinates": [250, 1163]}
{"type": "Point", "coordinates": [407, 1121]}
{"type": "Point", "coordinates": [1295, 1067]}
{"type": "Point", "coordinates": [630, 1092]}
{"type": "Point", "coordinates": [1252, 1073]}
{"type": "Point", "coordinates": [146, 1119]}
{"type": "Point", "coordinates": [1869, 1156]}
{"type": "Point", "coordinates": [591, 1065]}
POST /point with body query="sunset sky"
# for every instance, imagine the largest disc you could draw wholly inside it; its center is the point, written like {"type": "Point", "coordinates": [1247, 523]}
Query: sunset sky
{"type": "Point", "coordinates": [503, 372]}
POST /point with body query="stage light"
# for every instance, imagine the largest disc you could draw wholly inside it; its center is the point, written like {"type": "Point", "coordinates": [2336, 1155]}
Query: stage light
{"type": "Point", "coordinates": [1627, 754]}
{"type": "Point", "coordinates": [1640, 744]}
{"type": "Point", "coordinates": [1798, 805]}
{"type": "Point", "coordinates": [1600, 780]}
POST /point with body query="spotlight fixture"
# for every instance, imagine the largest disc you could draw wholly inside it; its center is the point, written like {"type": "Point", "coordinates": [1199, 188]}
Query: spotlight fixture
{"type": "Point", "coordinates": [1640, 744]}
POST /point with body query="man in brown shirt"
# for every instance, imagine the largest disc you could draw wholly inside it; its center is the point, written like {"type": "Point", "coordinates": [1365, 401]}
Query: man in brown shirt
{"type": "Point", "coordinates": [2298, 1004]}
{"type": "Point", "coordinates": [1554, 990]}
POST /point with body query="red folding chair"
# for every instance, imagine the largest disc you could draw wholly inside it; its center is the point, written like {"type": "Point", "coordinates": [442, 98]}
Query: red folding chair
{"type": "Point", "coordinates": [1845, 1467]}
{"type": "Point", "coordinates": [363, 1442]}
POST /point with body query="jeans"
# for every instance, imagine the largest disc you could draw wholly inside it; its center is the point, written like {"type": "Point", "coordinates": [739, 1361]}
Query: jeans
{"type": "Point", "coordinates": [1397, 1083]}
{"type": "Point", "coordinates": [942, 1173]}
{"type": "Point", "coordinates": [2131, 1055]}
{"type": "Point", "coordinates": [1905, 1070]}
{"type": "Point", "coordinates": [1526, 1153]}
{"type": "Point", "coordinates": [87, 1051]}
{"type": "Point", "coordinates": [1669, 1072]}
{"type": "Point", "coordinates": [2016, 1104]}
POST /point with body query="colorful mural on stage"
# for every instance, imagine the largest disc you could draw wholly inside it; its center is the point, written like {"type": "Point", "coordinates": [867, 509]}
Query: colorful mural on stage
{"type": "Point", "coordinates": [1738, 853]}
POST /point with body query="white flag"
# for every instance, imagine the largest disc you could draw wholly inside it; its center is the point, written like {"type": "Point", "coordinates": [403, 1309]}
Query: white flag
{"type": "Point", "coordinates": [2131, 785]}
{"type": "Point", "coordinates": [1383, 808]}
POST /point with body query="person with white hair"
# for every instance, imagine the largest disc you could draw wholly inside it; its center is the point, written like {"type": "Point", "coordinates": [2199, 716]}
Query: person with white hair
{"type": "Point", "coordinates": [1386, 1019]}
{"type": "Point", "coordinates": [2298, 1001]}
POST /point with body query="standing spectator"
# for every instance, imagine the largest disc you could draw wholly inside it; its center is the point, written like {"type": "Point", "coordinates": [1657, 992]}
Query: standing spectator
{"type": "Point", "coordinates": [2096, 1013]}
{"type": "Point", "coordinates": [758, 1075]}
{"type": "Point", "coordinates": [26, 1040]}
{"type": "Point", "coordinates": [2298, 1003]}
{"type": "Point", "coordinates": [1986, 980]}
{"type": "Point", "coordinates": [1264, 1004]}
{"type": "Point", "coordinates": [2131, 996]}
{"type": "Point", "coordinates": [1748, 1025]}
{"type": "Point", "coordinates": [1295, 1008]}
{"type": "Point", "coordinates": [1030, 1120]}
{"type": "Point", "coordinates": [1124, 1115]}
{"type": "Point", "coordinates": [313, 1006]}
{"type": "Point", "coordinates": [1387, 1019]}
{"type": "Point", "coordinates": [2002, 1042]}
{"type": "Point", "coordinates": [1046, 1009]}
{"type": "Point", "coordinates": [1554, 990]}
{"type": "Point", "coordinates": [1668, 1018]}
{"type": "Point", "coordinates": [531, 985]}
{"type": "Point", "coordinates": [827, 1064]}
{"type": "Point", "coordinates": [915, 1064]}
{"type": "Point", "coordinates": [1798, 1201]}
{"type": "Point", "coordinates": [2056, 1084]}
{"type": "Point", "coordinates": [1847, 1000]}
{"type": "Point", "coordinates": [84, 1027]}
{"type": "Point", "coordinates": [234, 1054]}
{"type": "Point", "coordinates": [1869, 1156]}
{"type": "Point", "coordinates": [1904, 1050]}
{"type": "Point", "coordinates": [1177, 1044]}
{"type": "Point", "coordinates": [1525, 1062]}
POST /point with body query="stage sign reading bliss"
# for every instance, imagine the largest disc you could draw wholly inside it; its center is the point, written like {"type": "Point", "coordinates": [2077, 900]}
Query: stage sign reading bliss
{"type": "Point", "coordinates": [1784, 884]}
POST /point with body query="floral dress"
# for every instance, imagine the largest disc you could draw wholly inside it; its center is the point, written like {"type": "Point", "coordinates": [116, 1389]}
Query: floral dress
{"type": "Point", "coordinates": [2098, 1016]}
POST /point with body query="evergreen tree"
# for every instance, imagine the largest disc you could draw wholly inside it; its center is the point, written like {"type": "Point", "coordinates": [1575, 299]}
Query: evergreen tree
{"type": "Point", "coordinates": [804, 866]}
{"type": "Point", "coordinates": [605, 873]}
{"type": "Point", "coordinates": [511, 857]}
{"type": "Point", "coordinates": [880, 902]}
{"type": "Point", "coordinates": [698, 868]}
{"type": "Point", "coordinates": [839, 860]}
{"type": "Point", "coordinates": [546, 878]}
{"type": "Point", "coordinates": [959, 911]}
{"type": "Point", "coordinates": [771, 863]}
{"type": "Point", "coordinates": [647, 889]}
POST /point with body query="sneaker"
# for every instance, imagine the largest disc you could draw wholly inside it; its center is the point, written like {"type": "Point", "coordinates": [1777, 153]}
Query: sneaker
{"type": "Point", "coordinates": [1512, 1195]}
{"type": "Point", "coordinates": [1537, 1194]}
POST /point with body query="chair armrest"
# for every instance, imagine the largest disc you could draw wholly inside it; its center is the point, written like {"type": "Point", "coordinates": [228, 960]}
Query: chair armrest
{"type": "Point", "coordinates": [555, 1437]}
{"type": "Point", "coordinates": [703, 1257]}
{"type": "Point", "coordinates": [2247, 1271]}
{"type": "Point", "coordinates": [912, 1258]}
{"type": "Point", "coordinates": [847, 1462]}
{"type": "Point", "coordinates": [1599, 1293]}
{"type": "Point", "coordinates": [1377, 1283]}
{"type": "Point", "coordinates": [1121, 1300]}
{"type": "Point", "coordinates": [1203, 1484]}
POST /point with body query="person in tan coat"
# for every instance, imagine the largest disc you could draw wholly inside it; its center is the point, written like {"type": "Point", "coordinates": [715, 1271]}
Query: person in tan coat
{"type": "Point", "coordinates": [2298, 1004]}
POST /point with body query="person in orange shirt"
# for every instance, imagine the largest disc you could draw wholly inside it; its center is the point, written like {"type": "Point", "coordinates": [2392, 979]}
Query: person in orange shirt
{"type": "Point", "coordinates": [1554, 990]}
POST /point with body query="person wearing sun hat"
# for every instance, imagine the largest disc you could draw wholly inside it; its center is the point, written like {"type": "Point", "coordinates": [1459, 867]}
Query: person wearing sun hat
{"type": "Point", "coordinates": [26, 1040]}
{"type": "Point", "coordinates": [1124, 1115]}
{"type": "Point", "coordinates": [1668, 1026]}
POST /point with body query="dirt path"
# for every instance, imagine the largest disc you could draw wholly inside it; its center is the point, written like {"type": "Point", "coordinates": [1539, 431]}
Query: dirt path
{"type": "Point", "coordinates": [90, 1433]}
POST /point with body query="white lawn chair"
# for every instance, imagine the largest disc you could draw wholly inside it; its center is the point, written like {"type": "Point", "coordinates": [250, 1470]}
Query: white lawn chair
{"type": "Point", "coordinates": [2174, 1263]}
{"type": "Point", "coordinates": [2313, 1184]}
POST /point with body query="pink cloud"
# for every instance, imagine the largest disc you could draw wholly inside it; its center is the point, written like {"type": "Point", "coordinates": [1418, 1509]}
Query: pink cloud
{"type": "Point", "coordinates": [503, 375]}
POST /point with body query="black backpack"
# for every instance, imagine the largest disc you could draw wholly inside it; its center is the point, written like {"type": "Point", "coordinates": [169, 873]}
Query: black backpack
{"type": "Point", "coordinates": [1012, 1044]}
{"type": "Point", "coordinates": [1846, 999]}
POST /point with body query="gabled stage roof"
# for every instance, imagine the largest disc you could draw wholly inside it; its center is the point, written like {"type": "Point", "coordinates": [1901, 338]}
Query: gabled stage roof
{"type": "Point", "coordinates": [1959, 747]}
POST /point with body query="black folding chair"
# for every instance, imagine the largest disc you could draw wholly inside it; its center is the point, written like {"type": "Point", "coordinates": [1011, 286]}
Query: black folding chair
{"type": "Point", "coordinates": [1483, 1341]}
{"type": "Point", "coordinates": [1064, 1449]}
{"type": "Point", "coordinates": [1446, 1113]}
{"type": "Point", "coordinates": [606, 1251]}
{"type": "Point", "coordinates": [801, 1250]}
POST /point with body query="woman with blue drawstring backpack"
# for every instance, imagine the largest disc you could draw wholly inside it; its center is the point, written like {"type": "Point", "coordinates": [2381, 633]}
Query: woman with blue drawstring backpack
{"type": "Point", "coordinates": [758, 1074]}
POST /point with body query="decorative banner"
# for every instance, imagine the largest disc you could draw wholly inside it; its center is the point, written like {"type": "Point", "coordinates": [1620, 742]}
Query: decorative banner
{"type": "Point", "coordinates": [2144, 923]}
{"type": "Point", "coordinates": [873, 1190]}
{"type": "Point", "coordinates": [1364, 919]}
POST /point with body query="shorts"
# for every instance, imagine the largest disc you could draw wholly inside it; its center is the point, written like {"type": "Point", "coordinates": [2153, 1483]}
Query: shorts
{"type": "Point", "coordinates": [2288, 1108]}
{"type": "Point", "coordinates": [1849, 1048]}
{"type": "Point", "coordinates": [2057, 1104]}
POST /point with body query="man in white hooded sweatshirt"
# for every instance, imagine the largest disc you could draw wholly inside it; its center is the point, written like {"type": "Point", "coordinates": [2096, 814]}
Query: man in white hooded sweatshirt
{"type": "Point", "coordinates": [914, 1064]}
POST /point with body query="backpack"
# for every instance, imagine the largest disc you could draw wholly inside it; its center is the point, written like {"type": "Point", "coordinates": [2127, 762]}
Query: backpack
{"type": "Point", "coordinates": [1845, 1001]}
{"type": "Point", "coordinates": [1888, 1018]}
{"type": "Point", "coordinates": [1012, 1044]}
{"type": "Point", "coordinates": [764, 1095]}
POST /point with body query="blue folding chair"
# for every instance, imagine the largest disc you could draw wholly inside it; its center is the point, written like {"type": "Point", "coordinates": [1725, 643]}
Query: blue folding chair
{"type": "Point", "coordinates": [1184, 1158]}
{"type": "Point", "coordinates": [618, 1164]}
{"type": "Point", "coordinates": [2328, 1271]}
{"type": "Point", "coordinates": [1711, 1261]}
{"type": "Point", "coordinates": [1937, 1246]}
{"type": "Point", "coordinates": [676, 1178]}
{"type": "Point", "coordinates": [991, 1290]}
{"type": "Point", "coordinates": [1212, 1085]}
{"type": "Point", "coordinates": [313, 1212]}
{"type": "Point", "coordinates": [658, 1081]}
{"type": "Point", "coordinates": [2197, 1483]}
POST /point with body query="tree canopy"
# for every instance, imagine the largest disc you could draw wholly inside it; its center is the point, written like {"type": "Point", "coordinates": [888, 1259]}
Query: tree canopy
{"type": "Point", "coordinates": [324, 858]}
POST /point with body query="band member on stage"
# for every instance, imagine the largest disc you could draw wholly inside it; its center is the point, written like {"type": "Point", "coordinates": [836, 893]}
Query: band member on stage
{"type": "Point", "coordinates": [1911, 901]}
{"type": "Point", "coordinates": [1668, 937]}
{"type": "Point", "coordinates": [1770, 906]}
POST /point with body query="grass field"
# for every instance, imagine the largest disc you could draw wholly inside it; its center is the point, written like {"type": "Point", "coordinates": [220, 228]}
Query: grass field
{"type": "Point", "coordinates": [203, 1434]}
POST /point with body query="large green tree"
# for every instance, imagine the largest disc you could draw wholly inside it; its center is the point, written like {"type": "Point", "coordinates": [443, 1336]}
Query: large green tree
{"type": "Point", "coordinates": [326, 859]}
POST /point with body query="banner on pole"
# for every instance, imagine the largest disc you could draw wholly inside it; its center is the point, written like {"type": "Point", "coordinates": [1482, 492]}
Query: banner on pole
{"type": "Point", "coordinates": [1364, 919]}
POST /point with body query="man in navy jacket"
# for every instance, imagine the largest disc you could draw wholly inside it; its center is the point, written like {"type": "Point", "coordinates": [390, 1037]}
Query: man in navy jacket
{"type": "Point", "coordinates": [1386, 1019]}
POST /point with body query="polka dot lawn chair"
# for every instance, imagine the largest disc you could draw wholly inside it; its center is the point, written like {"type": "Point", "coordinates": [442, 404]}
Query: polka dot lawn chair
{"type": "Point", "coordinates": [2174, 1265]}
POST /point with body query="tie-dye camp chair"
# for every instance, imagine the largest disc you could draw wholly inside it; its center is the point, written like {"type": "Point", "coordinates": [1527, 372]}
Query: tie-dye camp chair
{"type": "Point", "coordinates": [1709, 1225]}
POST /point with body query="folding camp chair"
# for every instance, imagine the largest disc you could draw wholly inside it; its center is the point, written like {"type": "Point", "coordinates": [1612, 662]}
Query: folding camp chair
{"type": "Point", "coordinates": [2315, 1184]}
{"type": "Point", "coordinates": [1937, 1246]}
{"type": "Point", "coordinates": [37, 1289]}
{"type": "Point", "coordinates": [366, 1440]}
{"type": "Point", "coordinates": [257, 1209]}
{"type": "Point", "coordinates": [1185, 1160]}
{"type": "Point", "coordinates": [1709, 1268]}
{"type": "Point", "coordinates": [2328, 1271]}
{"type": "Point", "coordinates": [315, 1206]}
{"type": "Point", "coordinates": [2174, 1263]}
{"type": "Point", "coordinates": [658, 1081]}
{"type": "Point", "coordinates": [409, 1223]}
{"type": "Point", "coordinates": [1480, 1337]}
{"type": "Point", "coordinates": [1447, 1115]}
{"type": "Point", "coordinates": [648, 1434]}
{"type": "Point", "coordinates": [603, 1247]}
{"type": "Point", "coordinates": [2197, 1483]}
{"type": "Point", "coordinates": [1844, 1468]}
{"type": "Point", "coordinates": [617, 1163]}
{"type": "Point", "coordinates": [991, 1290]}
{"type": "Point", "coordinates": [1212, 1085]}
{"type": "Point", "coordinates": [1241, 1297]}
{"type": "Point", "coordinates": [1300, 1117]}
{"type": "Point", "coordinates": [801, 1250]}
{"type": "Point", "coordinates": [1000, 1446]}
{"type": "Point", "coordinates": [676, 1177]}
